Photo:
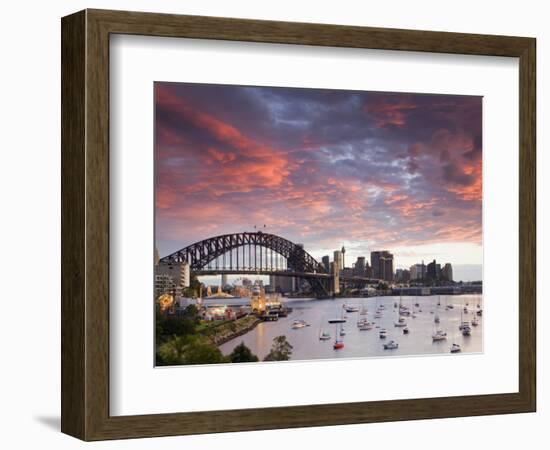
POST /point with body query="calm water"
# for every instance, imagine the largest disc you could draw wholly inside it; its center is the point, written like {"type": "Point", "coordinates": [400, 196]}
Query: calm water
{"type": "Point", "coordinates": [367, 343]}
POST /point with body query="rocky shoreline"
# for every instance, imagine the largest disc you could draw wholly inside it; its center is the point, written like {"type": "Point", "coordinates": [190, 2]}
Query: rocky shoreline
{"type": "Point", "coordinates": [225, 333]}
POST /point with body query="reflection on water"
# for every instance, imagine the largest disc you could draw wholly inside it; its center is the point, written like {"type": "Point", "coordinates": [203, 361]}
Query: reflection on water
{"type": "Point", "coordinates": [367, 343]}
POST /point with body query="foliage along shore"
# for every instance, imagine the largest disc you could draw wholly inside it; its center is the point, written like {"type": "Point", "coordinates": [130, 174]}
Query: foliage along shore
{"type": "Point", "coordinates": [186, 339]}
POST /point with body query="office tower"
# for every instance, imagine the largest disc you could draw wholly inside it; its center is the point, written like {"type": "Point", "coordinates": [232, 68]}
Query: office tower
{"type": "Point", "coordinates": [326, 263]}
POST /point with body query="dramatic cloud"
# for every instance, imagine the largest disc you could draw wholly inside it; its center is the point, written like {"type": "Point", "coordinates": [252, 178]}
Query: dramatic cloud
{"type": "Point", "coordinates": [321, 167]}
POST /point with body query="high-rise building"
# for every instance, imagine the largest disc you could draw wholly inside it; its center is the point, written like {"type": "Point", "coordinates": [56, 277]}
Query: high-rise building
{"type": "Point", "coordinates": [375, 264]}
{"type": "Point", "coordinates": [368, 271]}
{"type": "Point", "coordinates": [179, 272]}
{"type": "Point", "coordinates": [343, 257]}
{"type": "Point", "coordinates": [359, 270]}
{"type": "Point", "coordinates": [382, 265]}
{"type": "Point", "coordinates": [447, 272]}
{"type": "Point", "coordinates": [418, 271]}
{"type": "Point", "coordinates": [326, 262]}
{"type": "Point", "coordinates": [431, 270]}
{"type": "Point", "coordinates": [388, 267]}
{"type": "Point", "coordinates": [224, 280]}
{"type": "Point", "coordinates": [164, 284]}
{"type": "Point", "coordinates": [335, 280]}
{"type": "Point", "coordinates": [282, 284]}
{"type": "Point", "coordinates": [338, 259]}
{"type": "Point", "coordinates": [402, 275]}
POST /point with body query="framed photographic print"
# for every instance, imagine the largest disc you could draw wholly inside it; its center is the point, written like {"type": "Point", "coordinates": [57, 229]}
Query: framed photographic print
{"type": "Point", "coordinates": [272, 225]}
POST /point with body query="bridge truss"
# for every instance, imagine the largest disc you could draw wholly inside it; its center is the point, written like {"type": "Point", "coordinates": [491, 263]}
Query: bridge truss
{"type": "Point", "coordinates": [257, 252]}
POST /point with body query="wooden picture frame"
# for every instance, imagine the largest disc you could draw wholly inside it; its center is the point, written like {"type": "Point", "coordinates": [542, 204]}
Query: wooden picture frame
{"type": "Point", "coordinates": [85, 224]}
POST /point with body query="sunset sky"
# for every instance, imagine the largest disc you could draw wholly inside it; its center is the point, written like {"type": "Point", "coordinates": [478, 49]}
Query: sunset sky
{"type": "Point", "coordinates": [326, 168]}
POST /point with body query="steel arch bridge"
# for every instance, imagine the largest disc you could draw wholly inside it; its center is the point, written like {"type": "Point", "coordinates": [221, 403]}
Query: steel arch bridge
{"type": "Point", "coordinates": [256, 252]}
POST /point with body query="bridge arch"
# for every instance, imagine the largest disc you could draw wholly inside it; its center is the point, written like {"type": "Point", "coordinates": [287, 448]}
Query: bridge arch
{"type": "Point", "coordinates": [200, 254]}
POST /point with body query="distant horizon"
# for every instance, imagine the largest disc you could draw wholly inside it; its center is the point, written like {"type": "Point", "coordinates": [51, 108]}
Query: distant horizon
{"type": "Point", "coordinates": [326, 168]}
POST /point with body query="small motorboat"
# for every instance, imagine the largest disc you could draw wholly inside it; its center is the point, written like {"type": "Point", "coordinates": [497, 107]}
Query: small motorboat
{"type": "Point", "coordinates": [299, 324]}
{"type": "Point", "coordinates": [439, 336]}
{"type": "Point", "coordinates": [417, 304]}
{"type": "Point", "coordinates": [455, 348]}
{"type": "Point", "coordinates": [338, 345]}
{"type": "Point", "coordinates": [342, 332]}
{"type": "Point", "coordinates": [342, 320]}
{"type": "Point", "coordinates": [382, 333]}
{"type": "Point", "coordinates": [324, 336]}
{"type": "Point", "coordinates": [475, 322]}
{"type": "Point", "coordinates": [436, 318]}
{"type": "Point", "coordinates": [466, 331]}
{"type": "Point", "coordinates": [350, 308]}
{"type": "Point", "coordinates": [392, 345]}
{"type": "Point", "coordinates": [406, 330]}
{"type": "Point", "coordinates": [364, 325]}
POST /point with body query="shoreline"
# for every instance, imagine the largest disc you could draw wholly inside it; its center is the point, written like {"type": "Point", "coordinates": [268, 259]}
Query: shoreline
{"type": "Point", "coordinates": [218, 341]}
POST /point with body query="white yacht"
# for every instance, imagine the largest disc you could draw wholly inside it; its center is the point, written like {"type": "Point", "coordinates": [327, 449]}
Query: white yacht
{"type": "Point", "coordinates": [299, 324]}
{"type": "Point", "coordinates": [439, 335]}
{"type": "Point", "coordinates": [391, 345]}
{"type": "Point", "coordinates": [401, 322]}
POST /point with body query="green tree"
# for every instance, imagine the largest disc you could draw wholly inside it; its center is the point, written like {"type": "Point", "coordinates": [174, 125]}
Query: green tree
{"type": "Point", "coordinates": [172, 352]}
{"type": "Point", "coordinates": [280, 350]}
{"type": "Point", "coordinates": [176, 326]}
{"type": "Point", "coordinates": [201, 352]}
{"type": "Point", "coordinates": [241, 353]}
{"type": "Point", "coordinates": [188, 350]}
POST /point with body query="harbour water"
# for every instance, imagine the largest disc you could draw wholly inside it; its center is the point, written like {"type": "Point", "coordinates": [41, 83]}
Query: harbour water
{"type": "Point", "coordinates": [367, 343]}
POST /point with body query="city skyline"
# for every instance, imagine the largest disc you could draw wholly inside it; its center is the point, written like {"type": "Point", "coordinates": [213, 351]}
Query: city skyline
{"type": "Point", "coordinates": [365, 170]}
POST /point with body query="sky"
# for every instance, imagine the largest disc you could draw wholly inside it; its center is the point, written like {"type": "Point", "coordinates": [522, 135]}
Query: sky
{"type": "Point", "coordinates": [326, 168]}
